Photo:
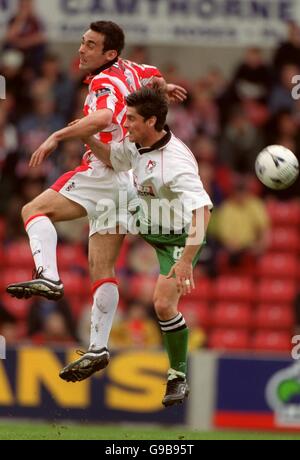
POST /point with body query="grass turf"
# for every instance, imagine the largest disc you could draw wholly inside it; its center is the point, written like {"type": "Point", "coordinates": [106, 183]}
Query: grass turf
{"type": "Point", "coordinates": [31, 431]}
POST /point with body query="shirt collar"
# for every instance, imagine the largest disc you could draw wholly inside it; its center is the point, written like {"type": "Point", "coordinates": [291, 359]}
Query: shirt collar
{"type": "Point", "coordinates": [158, 145]}
{"type": "Point", "coordinates": [90, 77]}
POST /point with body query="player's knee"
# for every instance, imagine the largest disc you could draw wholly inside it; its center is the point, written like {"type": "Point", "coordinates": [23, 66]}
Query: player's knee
{"type": "Point", "coordinates": [32, 208]}
{"type": "Point", "coordinates": [163, 308]}
{"type": "Point", "coordinates": [27, 211]}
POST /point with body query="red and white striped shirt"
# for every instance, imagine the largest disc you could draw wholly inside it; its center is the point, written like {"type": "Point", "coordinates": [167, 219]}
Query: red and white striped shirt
{"type": "Point", "coordinates": [108, 90]}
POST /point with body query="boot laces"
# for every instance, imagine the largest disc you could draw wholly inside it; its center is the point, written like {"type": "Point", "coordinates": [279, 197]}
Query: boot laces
{"type": "Point", "coordinates": [37, 273]}
{"type": "Point", "coordinates": [80, 352]}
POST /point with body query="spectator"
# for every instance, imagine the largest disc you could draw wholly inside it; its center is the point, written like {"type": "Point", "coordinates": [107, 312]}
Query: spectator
{"type": "Point", "coordinates": [240, 143]}
{"type": "Point", "coordinates": [241, 224]}
{"type": "Point", "coordinates": [26, 34]}
{"type": "Point", "coordinates": [8, 138]}
{"type": "Point", "coordinates": [281, 96]}
{"type": "Point", "coordinates": [137, 330]}
{"type": "Point", "coordinates": [288, 52]}
{"type": "Point", "coordinates": [41, 121]}
{"type": "Point", "coordinates": [60, 86]}
{"type": "Point", "coordinates": [284, 131]}
{"type": "Point", "coordinates": [51, 322]}
{"type": "Point", "coordinates": [253, 78]}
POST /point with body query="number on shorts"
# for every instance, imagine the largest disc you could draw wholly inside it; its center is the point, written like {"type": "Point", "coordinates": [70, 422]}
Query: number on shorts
{"type": "Point", "coordinates": [177, 253]}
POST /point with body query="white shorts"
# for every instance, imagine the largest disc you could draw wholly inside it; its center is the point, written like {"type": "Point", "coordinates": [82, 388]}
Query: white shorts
{"type": "Point", "coordinates": [104, 194]}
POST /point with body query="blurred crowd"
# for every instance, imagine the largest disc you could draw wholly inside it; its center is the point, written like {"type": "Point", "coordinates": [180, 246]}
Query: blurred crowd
{"type": "Point", "coordinates": [225, 122]}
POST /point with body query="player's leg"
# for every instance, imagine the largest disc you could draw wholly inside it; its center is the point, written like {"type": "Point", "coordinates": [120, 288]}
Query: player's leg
{"type": "Point", "coordinates": [175, 337]}
{"type": "Point", "coordinates": [38, 216]}
{"type": "Point", "coordinates": [103, 253]}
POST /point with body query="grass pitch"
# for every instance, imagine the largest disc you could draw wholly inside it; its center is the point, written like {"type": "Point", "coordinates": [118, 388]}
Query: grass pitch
{"type": "Point", "coordinates": [35, 431]}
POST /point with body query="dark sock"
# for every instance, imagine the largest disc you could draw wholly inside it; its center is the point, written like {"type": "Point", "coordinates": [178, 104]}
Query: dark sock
{"type": "Point", "coordinates": [175, 336]}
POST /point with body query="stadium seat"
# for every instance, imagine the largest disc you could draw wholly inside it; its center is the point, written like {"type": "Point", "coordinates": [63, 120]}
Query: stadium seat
{"type": "Point", "coordinates": [78, 303]}
{"type": "Point", "coordinates": [278, 265]}
{"type": "Point", "coordinates": [229, 339]}
{"type": "Point", "coordinates": [276, 341]}
{"type": "Point", "coordinates": [75, 284]}
{"type": "Point", "coordinates": [140, 288]}
{"type": "Point", "coordinates": [71, 256]}
{"type": "Point", "coordinates": [12, 275]}
{"type": "Point", "coordinates": [18, 255]}
{"type": "Point", "coordinates": [284, 239]}
{"type": "Point", "coordinates": [230, 314]}
{"type": "Point", "coordinates": [17, 307]}
{"type": "Point", "coordinates": [2, 284]}
{"type": "Point", "coordinates": [244, 267]}
{"type": "Point", "coordinates": [234, 288]}
{"type": "Point", "coordinates": [274, 317]}
{"type": "Point", "coordinates": [2, 257]}
{"type": "Point", "coordinates": [284, 213]}
{"type": "Point", "coordinates": [199, 309]}
{"type": "Point", "coordinates": [276, 291]}
{"type": "Point", "coordinates": [2, 229]}
{"type": "Point", "coordinates": [202, 291]}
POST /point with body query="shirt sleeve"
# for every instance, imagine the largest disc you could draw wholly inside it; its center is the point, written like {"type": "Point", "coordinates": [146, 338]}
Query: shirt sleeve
{"type": "Point", "coordinates": [102, 95]}
{"type": "Point", "coordinates": [185, 182]}
{"type": "Point", "coordinates": [190, 191]}
{"type": "Point", "coordinates": [146, 73]}
{"type": "Point", "coordinates": [121, 155]}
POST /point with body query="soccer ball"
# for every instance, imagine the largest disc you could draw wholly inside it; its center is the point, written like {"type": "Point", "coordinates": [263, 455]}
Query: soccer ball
{"type": "Point", "coordinates": [277, 167]}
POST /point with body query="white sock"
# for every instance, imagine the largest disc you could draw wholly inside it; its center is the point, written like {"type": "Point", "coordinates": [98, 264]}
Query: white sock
{"type": "Point", "coordinates": [106, 299]}
{"type": "Point", "coordinates": [43, 242]}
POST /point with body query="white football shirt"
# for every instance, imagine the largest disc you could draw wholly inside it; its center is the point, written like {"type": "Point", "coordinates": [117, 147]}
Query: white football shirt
{"type": "Point", "coordinates": [167, 180]}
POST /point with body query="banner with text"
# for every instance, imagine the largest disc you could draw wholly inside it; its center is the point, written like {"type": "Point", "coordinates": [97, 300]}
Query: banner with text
{"type": "Point", "coordinates": [129, 390]}
{"type": "Point", "coordinates": [170, 22]}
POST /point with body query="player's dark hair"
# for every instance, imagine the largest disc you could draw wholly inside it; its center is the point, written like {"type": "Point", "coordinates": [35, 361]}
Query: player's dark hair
{"type": "Point", "coordinates": [149, 103]}
{"type": "Point", "coordinates": [114, 35]}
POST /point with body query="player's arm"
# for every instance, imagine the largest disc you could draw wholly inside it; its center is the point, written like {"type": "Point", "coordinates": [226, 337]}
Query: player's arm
{"type": "Point", "coordinates": [174, 92]}
{"type": "Point", "coordinates": [151, 76]}
{"type": "Point", "coordinates": [117, 155]}
{"type": "Point", "coordinates": [183, 269]}
{"type": "Point", "coordinates": [87, 126]}
{"type": "Point", "coordinates": [100, 150]}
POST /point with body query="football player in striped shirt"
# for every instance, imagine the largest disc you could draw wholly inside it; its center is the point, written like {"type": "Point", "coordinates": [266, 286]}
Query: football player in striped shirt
{"type": "Point", "coordinates": [77, 193]}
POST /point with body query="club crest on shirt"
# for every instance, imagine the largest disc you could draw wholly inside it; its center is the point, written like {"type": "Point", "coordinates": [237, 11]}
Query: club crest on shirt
{"type": "Point", "coordinates": [145, 190]}
{"type": "Point", "coordinates": [150, 166]}
{"type": "Point", "coordinates": [71, 187]}
{"type": "Point", "coordinates": [103, 91]}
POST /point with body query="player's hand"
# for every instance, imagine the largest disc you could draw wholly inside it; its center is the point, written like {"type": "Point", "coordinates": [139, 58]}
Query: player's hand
{"type": "Point", "coordinates": [183, 272]}
{"type": "Point", "coordinates": [43, 151]}
{"type": "Point", "coordinates": [176, 93]}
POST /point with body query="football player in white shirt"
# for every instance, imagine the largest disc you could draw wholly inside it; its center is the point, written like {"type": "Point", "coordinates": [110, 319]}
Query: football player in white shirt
{"type": "Point", "coordinates": [166, 175]}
